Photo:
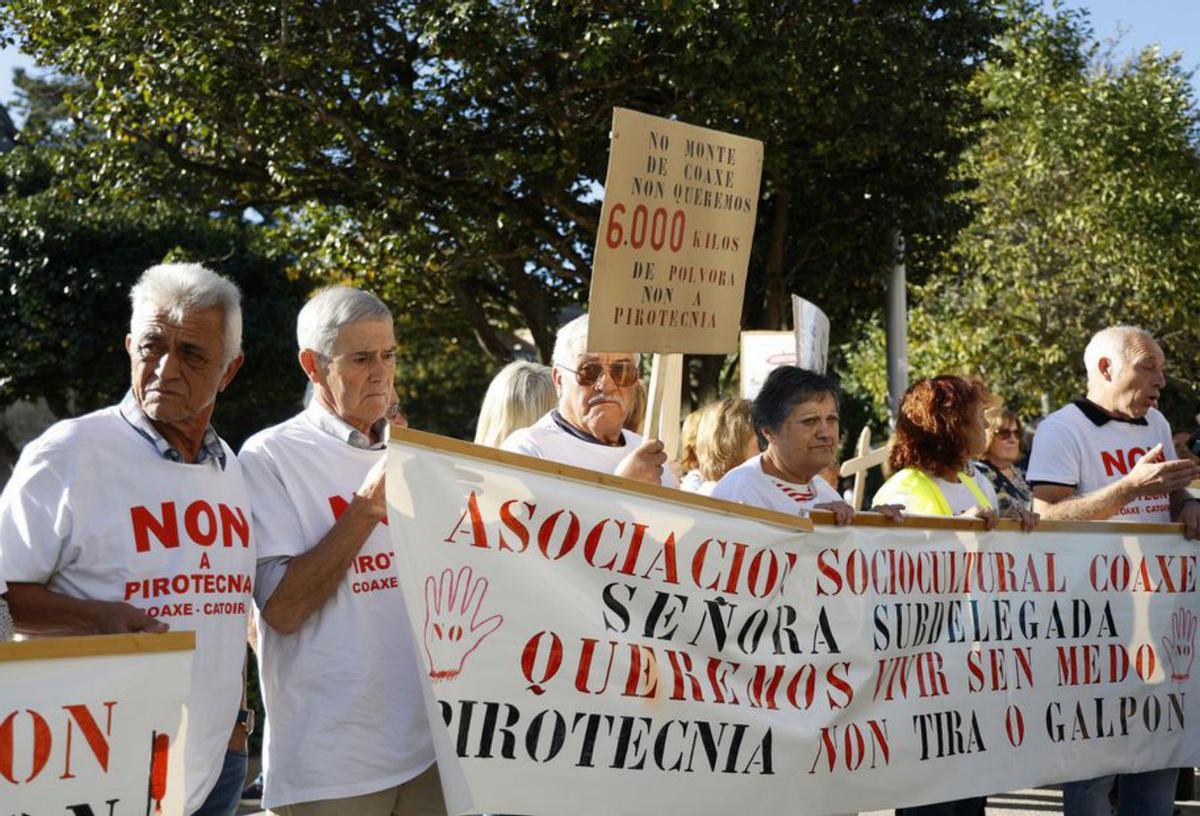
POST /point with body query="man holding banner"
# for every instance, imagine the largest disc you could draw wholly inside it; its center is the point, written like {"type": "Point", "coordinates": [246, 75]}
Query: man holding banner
{"type": "Point", "coordinates": [346, 728]}
{"type": "Point", "coordinates": [1105, 457]}
{"type": "Point", "coordinates": [135, 518]}
{"type": "Point", "coordinates": [595, 393]}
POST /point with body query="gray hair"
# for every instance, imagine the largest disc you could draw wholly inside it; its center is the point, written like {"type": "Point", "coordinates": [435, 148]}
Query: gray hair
{"type": "Point", "coordinates": [179, 288]}
{"type": "Point", "coordinates": [1114, 343]}
{"type": "Point", "coordinates": [330, 310]}
{"type": "Point", "coordinates": [571, 341]}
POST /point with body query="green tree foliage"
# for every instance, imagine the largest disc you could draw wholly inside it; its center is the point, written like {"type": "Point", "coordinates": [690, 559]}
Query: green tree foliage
{"type": "Point", "coordinates": [449, 152]}
{"type": "Point", "coordinates": [1087, 214]}
{"type": "Point", "coordinates": [68, 255]}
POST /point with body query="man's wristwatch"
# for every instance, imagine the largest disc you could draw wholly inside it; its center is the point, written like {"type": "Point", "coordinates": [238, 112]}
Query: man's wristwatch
{"type": "Point", "coordinates": [245, 719]}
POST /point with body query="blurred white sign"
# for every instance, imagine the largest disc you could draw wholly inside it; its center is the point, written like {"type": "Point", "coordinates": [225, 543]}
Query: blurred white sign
{"type": "Point", "coordinates": [762, 353]}
{"type": "Point", "coordinates": [812, 335]}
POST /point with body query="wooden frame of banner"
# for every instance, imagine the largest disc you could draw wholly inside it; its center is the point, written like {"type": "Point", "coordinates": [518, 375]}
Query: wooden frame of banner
{"type": "Point", "coordinates": [457, 447]}
{"type": "Point", "coordinates": [446, 444]}
{"type": "Point", "coordinates": [52, 648]}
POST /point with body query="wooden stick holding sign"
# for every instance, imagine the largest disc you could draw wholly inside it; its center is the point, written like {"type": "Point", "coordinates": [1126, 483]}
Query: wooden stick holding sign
{"type": "Point", "coordinates": [663, 401]}
{"type": "Point", "coordinates": [652, 423]}
{"type": "Point", "coordinates": [669, 273]}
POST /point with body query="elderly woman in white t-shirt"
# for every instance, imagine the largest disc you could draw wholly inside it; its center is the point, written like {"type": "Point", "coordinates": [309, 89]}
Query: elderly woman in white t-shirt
{"type": "Point", "coordinates": [724, 437]}
{"type": "Point", "coordinates": [518, 396]}
{"type": "Point", "coordinates": [797, 413]}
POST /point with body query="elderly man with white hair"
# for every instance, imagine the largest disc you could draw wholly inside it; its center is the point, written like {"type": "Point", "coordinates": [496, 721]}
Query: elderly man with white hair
{"type": "Point", "coordinates": [98, 524]}
{"type": "Point", "coordinates": [595, 395]}
{"type": "Point", "coordinates": [1110, 456]}
{"type": "Point", "coordinates": [346, 724]}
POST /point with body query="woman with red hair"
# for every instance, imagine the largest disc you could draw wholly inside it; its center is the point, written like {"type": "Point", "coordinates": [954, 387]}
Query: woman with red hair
{"type": "Point", "coordinates": [941, 426]}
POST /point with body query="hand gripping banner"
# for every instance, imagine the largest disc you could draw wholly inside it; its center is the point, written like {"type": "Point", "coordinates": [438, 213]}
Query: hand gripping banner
{"type": "Point", "coordinates": [633, 649]}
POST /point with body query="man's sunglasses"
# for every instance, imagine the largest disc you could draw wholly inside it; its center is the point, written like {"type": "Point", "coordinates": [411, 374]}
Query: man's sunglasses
{"type": "Point", "coordinates": [622, 373]}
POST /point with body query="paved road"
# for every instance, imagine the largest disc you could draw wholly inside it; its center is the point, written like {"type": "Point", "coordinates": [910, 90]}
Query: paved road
{"type": "Point", "coordinates": [1036, 802]}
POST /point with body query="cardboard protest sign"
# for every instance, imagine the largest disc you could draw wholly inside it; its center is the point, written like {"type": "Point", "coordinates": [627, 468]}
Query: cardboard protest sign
{"type": "Point", "coordinates": [634, 650]}
{"type": "Point", "coordinates": [812, 335]}
{"type": "Point", "coordinates": [675, 231]}
{"type": "Point", "coordinates": [762, 353]}
{"type": "Point", "coordinates": [94, 725]}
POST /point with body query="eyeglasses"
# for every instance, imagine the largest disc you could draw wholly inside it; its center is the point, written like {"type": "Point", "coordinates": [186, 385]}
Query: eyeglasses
{"type": "Point", "coordinates": [622, 373]}
{"type": "Point", "coordinates": [1009, 433]}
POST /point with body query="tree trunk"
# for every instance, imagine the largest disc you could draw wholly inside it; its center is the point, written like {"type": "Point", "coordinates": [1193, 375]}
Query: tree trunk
{"type": "Point", "coordinates": [485, 333]}
{"type": "Point", "coordinates": [775, 285]}
{"type": "Point", "coordinates": [530, 302]}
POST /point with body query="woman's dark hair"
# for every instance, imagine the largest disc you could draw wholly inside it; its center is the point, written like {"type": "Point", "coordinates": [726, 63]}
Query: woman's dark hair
{"type": "Point", "coordinates": [785, 388]}
{"type": "Point", "coordinates": [931, 431]}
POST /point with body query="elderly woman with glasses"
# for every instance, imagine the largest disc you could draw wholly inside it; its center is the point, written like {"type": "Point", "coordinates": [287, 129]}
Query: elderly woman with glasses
{"type": "Point", "coordinates": [999, 460]}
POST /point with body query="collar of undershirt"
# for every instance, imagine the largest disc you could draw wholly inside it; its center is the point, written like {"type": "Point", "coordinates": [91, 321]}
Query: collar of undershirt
{"type": "Point", "coordinates": [335, 426]}
{"type": "Point", "coordinates": [1100, 417]}
{"type": "Point", "coordinates": [567, 427]}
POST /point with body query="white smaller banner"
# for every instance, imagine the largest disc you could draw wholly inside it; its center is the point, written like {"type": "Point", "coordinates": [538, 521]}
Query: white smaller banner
{"type": "Point", "coordinates": [94, 725]}
{"type": "Point", "coordinates": [812, 335]}
{"type": "Point", "coordinates": [762, 353]}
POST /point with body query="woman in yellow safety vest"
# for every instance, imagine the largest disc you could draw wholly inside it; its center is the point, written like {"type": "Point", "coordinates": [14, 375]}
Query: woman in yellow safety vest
{"type": "Point", "coordinates": [941, 426]}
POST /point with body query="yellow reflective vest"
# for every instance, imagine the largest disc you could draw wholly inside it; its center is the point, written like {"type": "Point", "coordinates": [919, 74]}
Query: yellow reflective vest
{"type": "Point", "coordinates": [922, 494]}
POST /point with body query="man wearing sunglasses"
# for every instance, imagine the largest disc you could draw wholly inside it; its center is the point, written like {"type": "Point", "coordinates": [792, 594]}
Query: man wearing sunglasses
{"type": "Point", "coordinates": [595, 394]}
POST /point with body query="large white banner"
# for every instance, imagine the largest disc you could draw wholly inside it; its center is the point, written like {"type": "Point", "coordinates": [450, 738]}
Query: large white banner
{"type": "Point", "coordinates": [617, 651]}
{"type": "Point", "coordinates": [94, 726]}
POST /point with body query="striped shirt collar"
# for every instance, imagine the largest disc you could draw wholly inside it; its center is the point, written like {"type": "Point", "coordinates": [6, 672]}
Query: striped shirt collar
{"type": "Point", "coordinates": [210, 445]}
{"type": "Point", "coordinates": [335, 426]}
{"type": "Point", "coordinates": [799, 493]}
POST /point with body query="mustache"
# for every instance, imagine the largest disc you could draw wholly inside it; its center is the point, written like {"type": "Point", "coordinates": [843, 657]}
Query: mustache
{"type": "Point", "coordinates": [599, 400]}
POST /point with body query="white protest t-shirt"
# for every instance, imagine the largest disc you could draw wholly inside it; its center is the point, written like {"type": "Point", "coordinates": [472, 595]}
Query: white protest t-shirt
{"type": "Point", "coordinates": [345, 713]}
{"type": "Point", "coordinates": [749, 484]}
{"type": "Point", "coordinates": [546, 440]}
{"type": "Point", "coordinates": [692, 481]}
{"type": "Point", "coordinates": [94, 511]}
{"type": "Point", "coordinates": [1071, 449]}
